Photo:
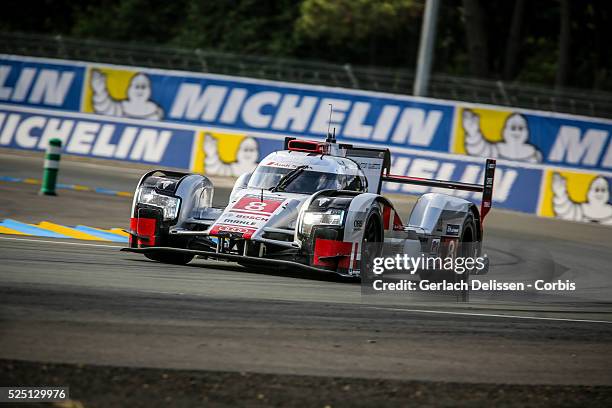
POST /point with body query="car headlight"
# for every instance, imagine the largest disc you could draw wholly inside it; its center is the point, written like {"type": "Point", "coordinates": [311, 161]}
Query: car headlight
{"type": "Point", "coordinates": [329, 217]}
{"type": "Point", "coordinates": [169, 205]}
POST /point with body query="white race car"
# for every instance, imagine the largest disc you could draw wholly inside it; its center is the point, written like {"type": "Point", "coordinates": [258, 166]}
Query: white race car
{"type": "Point", "coordinates": [314, 206]}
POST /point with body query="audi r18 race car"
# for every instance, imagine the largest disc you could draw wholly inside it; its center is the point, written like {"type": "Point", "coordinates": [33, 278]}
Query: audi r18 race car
{"type": "Point", "coordinates": [315, 206]}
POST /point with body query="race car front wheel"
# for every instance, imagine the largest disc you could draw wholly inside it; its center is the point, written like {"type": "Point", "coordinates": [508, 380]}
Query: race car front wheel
{"type": "Point", "coordinates": [371, 242]}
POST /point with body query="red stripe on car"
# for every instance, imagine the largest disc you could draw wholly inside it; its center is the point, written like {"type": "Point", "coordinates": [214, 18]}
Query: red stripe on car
{"type": "Point", "coordinates": [144, 227]}
{"type": "Point", "coordinates": [334, 253]}
{"type": "Point", "coordinates": [386, 217]}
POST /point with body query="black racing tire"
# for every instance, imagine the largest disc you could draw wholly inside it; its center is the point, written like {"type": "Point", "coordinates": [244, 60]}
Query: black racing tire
{"type": "Point", "coordinates": [170, 258]}
{"type": "Point", "coordinates": [372, 234]}
{"type": "Point", "coordinates": [468, 235]}
{"type": "Point", "coordinates": [466, 249]}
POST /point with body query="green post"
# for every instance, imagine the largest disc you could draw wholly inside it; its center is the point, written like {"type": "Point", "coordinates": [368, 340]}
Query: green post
{"type": "Point", "coordinates": [52, 160]}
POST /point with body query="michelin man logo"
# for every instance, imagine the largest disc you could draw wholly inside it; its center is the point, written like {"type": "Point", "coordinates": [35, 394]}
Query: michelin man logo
{"type": "Point", "coordinates": [246, 157]}
{"type": "Point", "coordinates": [595, 209]}
{"type": "Point", "coordinates": [137, 105]}
{"type": "Point", "coordinates": [514, 146]}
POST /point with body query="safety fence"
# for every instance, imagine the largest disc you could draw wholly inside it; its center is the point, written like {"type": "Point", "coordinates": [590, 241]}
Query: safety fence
{"type": "Point", "coordinates": [551, 164]}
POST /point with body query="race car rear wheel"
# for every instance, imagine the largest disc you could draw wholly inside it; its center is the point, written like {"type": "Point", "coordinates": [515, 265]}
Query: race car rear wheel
{"type": "Point", "coordinates": [468, 237]}
{"type": "Point", "coordinates": [466, 247]}
{"type": "Point", "coordinates": [170, 258]}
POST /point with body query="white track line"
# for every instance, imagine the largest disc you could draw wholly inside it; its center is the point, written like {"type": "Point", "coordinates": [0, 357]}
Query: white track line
{"type": "Point", "coordinates": [61, 242]}
{"type": "Point", "coordinates": [559, 319]}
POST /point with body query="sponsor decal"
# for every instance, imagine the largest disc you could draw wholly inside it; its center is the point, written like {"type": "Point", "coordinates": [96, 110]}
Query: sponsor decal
{"type": "Point", "coordinates": [225, 154]}
{"type": "Point", "coordinates": [533, 137]}
{"type": "Point", "coordinates": [254, 105]}
{"type": "Point", "coordinates": [285, 165]}
{"type": "Point", "coordinates": [304, 111]}
{"type": "Point", "coordinates": [495, 134]}
{"type": "Point", "coordinates": [577, 143]}
{"type": "Point", "coordinates": [323, 200]}
{"type": "Point", "coordinates": [232, 228]}
{"type": "Point", "coordinates": [229, 154]}
{"type": "Point", "coordinates": [452, 229]}
{"type": "Point", "coordinates": [26, 82]}
{"type": "Point", "coordinates": [247, 215]}
{"type": "Point", "coordinates": [165, 184]}
{"type": "Point", "coordinates": [89, 136]}
{"type": "Point", "coordinates": [577, 196]}
{"type": "Point", "coordinates": [121, 92]}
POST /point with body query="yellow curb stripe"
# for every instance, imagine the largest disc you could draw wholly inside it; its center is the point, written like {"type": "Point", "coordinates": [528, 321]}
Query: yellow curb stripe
{"type": "Point", "coordinates": [5, 230]}
{"type": "Point", "coordinates": [70, 232]}
{"type": "Point", "coordinates": [124, 194]}
{"type": "Point", "coordinates": [31, 181]}
{"type": "Point", "coordinates": [118, 231]}
{"type": "Point", "coordinates": [80, 188]}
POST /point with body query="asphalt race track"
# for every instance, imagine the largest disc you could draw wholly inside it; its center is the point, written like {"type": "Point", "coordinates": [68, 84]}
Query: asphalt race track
{"type": "Point", "coordinates": [68, 301]}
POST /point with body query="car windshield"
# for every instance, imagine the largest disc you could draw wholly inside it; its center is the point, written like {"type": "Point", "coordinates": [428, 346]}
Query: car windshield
{"type": "Point", "coordinates": [267, 177]}
{"type": "Point", "coordinates": [305, 182]}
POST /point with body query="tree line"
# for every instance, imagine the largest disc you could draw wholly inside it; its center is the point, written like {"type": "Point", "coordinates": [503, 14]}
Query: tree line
{"type": "Point", "coordinates": [557, 43]}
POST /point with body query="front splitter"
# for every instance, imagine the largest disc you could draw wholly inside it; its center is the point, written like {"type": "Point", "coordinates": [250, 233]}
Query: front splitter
{"type": "Point", "coordinates": [236, 258]}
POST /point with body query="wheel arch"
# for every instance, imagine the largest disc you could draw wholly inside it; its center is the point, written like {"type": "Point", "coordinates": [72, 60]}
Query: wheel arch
{"type": "Point", "coordinates": [477, 222]}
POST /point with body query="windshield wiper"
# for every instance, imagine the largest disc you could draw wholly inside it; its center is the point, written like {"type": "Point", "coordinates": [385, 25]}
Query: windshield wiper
{"type": "Point", "coordinates": [288, 178]}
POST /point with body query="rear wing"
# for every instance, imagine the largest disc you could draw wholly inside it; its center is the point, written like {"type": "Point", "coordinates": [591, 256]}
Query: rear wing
{"type": "Point", "coordinates": [486, 188]}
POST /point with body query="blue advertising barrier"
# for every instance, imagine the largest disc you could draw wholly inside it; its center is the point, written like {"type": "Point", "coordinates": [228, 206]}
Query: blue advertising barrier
{"type": "Point", "coordinates": [283, 109]}
{"type": "Point", "coordinates": [223, 125]}
{"type": "Point", "coordinates": [275, 108]}
{"type": "Point", "coordinates": [31, 82]}
{"type": "Point", "coordinates": [96, 137]}
{"type": "Point", "coordinates": [249, 105]}
{"type": "Point", "coordinates": [533, 137]}
{"type": "Point", "coordinates": [516, 188]}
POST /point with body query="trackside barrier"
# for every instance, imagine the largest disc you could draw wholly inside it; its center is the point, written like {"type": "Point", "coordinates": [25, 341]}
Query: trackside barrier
{"type": "Point", "coordinates": [559, 192]}
{"type": "Point", "coordinates": [549, 164]}
{"type": "Point", "coordinates": [249, 105]}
